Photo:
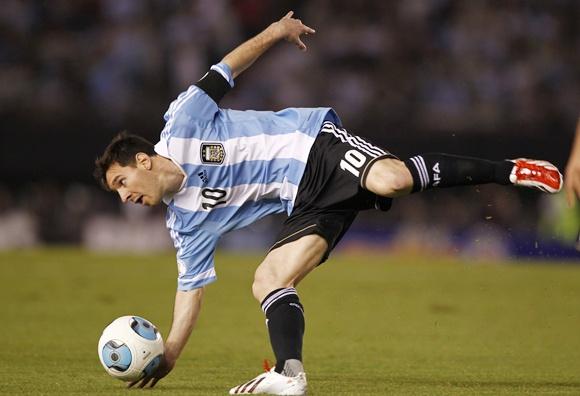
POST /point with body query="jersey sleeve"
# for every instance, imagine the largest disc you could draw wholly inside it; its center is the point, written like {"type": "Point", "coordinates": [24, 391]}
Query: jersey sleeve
{"type": "Point", "coordinates": [200, 101]}
{"type": "Point", "coordinates": [195, 259]}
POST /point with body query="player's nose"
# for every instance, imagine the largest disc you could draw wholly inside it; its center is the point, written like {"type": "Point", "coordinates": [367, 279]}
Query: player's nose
{"type": "Point", "coordinates": [124, 194]}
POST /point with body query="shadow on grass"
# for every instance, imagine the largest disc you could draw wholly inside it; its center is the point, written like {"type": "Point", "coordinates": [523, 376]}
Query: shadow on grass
{"type": "Point", "coordinates": [394, 381]}
{"type": "Point", "coordinates": [485, 384]}
{"type": "Point", "coordinates": [193, 388]}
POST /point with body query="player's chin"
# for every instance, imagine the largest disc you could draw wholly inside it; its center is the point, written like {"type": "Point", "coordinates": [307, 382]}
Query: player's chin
{"type": "Point", "coordinates": [152, 201]}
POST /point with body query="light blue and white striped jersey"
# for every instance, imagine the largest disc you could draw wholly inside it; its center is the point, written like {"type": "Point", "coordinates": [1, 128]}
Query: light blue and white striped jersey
{"type": "Point", "coordinates": [240, 166]}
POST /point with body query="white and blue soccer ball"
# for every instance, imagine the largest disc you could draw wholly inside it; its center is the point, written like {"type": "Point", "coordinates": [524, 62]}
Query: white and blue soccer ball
{"type": "Point", "coordinates": [130, 348]}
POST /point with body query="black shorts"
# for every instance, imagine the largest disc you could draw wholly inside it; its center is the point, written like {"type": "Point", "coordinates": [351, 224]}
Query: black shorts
{"type": "Point", "coordinates": [331, 192]}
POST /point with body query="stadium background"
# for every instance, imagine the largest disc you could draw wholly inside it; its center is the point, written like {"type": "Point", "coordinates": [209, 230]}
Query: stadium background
{"type": "Point", "coordinates": [495, 79]}
{"type": "Point", "coordinates": [408, 313]}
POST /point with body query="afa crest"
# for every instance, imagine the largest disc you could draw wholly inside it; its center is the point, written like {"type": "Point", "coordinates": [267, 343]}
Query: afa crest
{"type": "Point", "coordinates": [212, 153]}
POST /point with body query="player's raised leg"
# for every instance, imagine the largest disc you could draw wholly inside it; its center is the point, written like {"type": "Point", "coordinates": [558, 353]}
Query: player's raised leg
{"type": "Point", "coordinates": [391, 178]}
{"type": "Point", "coordinates": [273, 286]}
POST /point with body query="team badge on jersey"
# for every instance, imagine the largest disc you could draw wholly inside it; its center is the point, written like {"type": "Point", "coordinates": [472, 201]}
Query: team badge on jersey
{"type": "Point", "coordinates": [212, 153]}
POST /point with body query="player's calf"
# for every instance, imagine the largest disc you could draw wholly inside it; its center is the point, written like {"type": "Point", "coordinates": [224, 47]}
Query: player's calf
{"type": "Point", "coordinates": [445, 170]}
{"type": "Point", "coordinates": [273, 285]}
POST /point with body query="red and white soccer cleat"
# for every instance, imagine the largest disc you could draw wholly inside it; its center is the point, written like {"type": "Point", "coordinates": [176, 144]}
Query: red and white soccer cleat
{"type": "Point", "coordinates": [538, 174]}
{"type": "Point", "coordinates": [272, 383]}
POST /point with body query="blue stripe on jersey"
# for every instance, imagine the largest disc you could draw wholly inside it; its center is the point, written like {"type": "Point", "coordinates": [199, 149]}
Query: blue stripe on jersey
{"type": "Point", "coordinates": [252, 123]}
{"type": "Point", "coordinates": [203, 130]}
{"type": "Point", "coordinates": [195, 259]}
{"type": "Point", "coordinates": [223, 219]}
{"type": "Point", "coordinates": [194, 103]}
{"type": "Point", "coordinates": [249, 172]}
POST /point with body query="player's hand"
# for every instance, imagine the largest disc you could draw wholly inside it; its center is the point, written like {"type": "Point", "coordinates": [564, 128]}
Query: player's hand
{"type": "Point", "coordinates": [290, 29]}
{"type": "Point", "coordinates": [165, 367]}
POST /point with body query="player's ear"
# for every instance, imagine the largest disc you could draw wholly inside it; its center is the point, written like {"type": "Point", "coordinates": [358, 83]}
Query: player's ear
{"type": "Point", "coordinates": [143, 161]}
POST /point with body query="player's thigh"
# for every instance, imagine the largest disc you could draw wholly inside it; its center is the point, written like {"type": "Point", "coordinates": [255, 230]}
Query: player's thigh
{"type": "Point", "coordinates": [288, 264]}
{"type": "Point", "coordinates": [389, 177]}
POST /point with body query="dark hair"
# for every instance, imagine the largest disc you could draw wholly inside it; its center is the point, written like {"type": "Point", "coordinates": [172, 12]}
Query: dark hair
{"type": "Point", "coordinates": [122, 151]}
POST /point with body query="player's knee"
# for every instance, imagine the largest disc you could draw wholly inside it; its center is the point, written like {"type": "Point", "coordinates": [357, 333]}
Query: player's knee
{"type": "Point", "coordinates": [395, 183]}
{"type": "Point", "coordinates": [264, 282]}
{"type": "Point", "coordinates": [257, 289]}
{"type": "Point", "coordinates": [389, 178]}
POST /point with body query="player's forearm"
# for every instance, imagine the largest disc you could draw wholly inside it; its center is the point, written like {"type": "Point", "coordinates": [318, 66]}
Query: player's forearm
{"type": "Point", "coordinates": [185, 314]}
{"type": "Point", "coordinates": [245, 54]}
{"type": "Point", "coordinates": [287, 28]}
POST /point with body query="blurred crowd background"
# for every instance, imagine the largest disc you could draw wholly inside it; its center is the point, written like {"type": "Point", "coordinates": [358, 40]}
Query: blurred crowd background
{"type": "Point", "coordinates": [495, 79]}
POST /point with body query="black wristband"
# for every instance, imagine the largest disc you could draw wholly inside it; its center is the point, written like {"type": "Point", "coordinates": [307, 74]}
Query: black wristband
{"type": "Point", "coordinates": [214, 84]}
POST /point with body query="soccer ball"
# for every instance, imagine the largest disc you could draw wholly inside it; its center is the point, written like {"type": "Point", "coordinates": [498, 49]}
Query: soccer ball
{"type": "Point", "coordinates": [130, 348]}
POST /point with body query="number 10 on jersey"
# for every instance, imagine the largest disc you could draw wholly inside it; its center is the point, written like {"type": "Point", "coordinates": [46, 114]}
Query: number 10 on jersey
{"type": "Point", "coordinates": [353, 161]}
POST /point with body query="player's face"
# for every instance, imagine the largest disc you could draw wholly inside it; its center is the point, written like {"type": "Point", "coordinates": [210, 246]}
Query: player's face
{"type": "Point", "coordinates": [137, 184]}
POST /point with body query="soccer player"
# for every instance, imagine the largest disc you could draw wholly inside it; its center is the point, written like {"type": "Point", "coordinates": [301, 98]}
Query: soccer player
{"type": "Point", "coordinates": [219, 169]}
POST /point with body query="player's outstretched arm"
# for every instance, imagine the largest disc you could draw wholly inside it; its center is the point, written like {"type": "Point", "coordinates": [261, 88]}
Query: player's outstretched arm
{"type": "Point", "coordinates": [287, 28]}
{"type": "Point", "coordinates": [185, 313]}
{"type": "Point", "coordinates": [572, 173]}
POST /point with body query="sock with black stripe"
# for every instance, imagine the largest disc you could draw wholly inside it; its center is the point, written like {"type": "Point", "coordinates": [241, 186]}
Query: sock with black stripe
{"type": "Point", "coordinates": [444, 170]}
{"type": "Point", "coordinates": [285, 320]}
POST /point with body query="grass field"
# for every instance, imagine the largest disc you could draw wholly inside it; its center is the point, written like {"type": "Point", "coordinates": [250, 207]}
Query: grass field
{"type": "Point", "coordinates": [375, 325]}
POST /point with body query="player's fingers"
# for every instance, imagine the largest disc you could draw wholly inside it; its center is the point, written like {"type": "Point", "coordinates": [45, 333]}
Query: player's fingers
{"type": "Point", "coordinates": [131, 384]}
{"type": "Point", "coordinates": [144, 382]}
{"type": "Point", "coordinates": [300, 44]}
{"type": "Point", "coordinates": [155, 381]}
{"type": "Point", "coordinates": [309, 30]}
{"type": "Point", "coordinates": [289, 15]}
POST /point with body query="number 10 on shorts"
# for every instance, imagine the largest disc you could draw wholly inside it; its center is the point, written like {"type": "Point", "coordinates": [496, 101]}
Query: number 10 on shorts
{"type": "Point", "coordinates": [353, 161]}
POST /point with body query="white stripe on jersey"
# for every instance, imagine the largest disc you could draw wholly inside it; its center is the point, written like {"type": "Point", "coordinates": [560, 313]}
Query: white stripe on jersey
{"type": "Point", "coordinates": [191, 92]}
{"type": "Point", "coordinates": [378, 150]}
{"type": "Point", "coordinates": [250, 148]}
{"type": "Point", "coordinates": [177, 241]}
{"type": "Point", "coordinates": [361, 142]}
{"type": "Point", "coordinates": [175, 106]}
{"type": "Point", "coordinates": [210, 273]}
{"type": "Point", "coordinates": [191, 199]}
{"type": "Point", "coordinates": [354, 141]}
{"type": "Point", "coordinates": [182, 98]}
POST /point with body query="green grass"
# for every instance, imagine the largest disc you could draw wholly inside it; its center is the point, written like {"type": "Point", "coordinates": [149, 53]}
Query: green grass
{"type": "Point", "coordinates": [375, 325]}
